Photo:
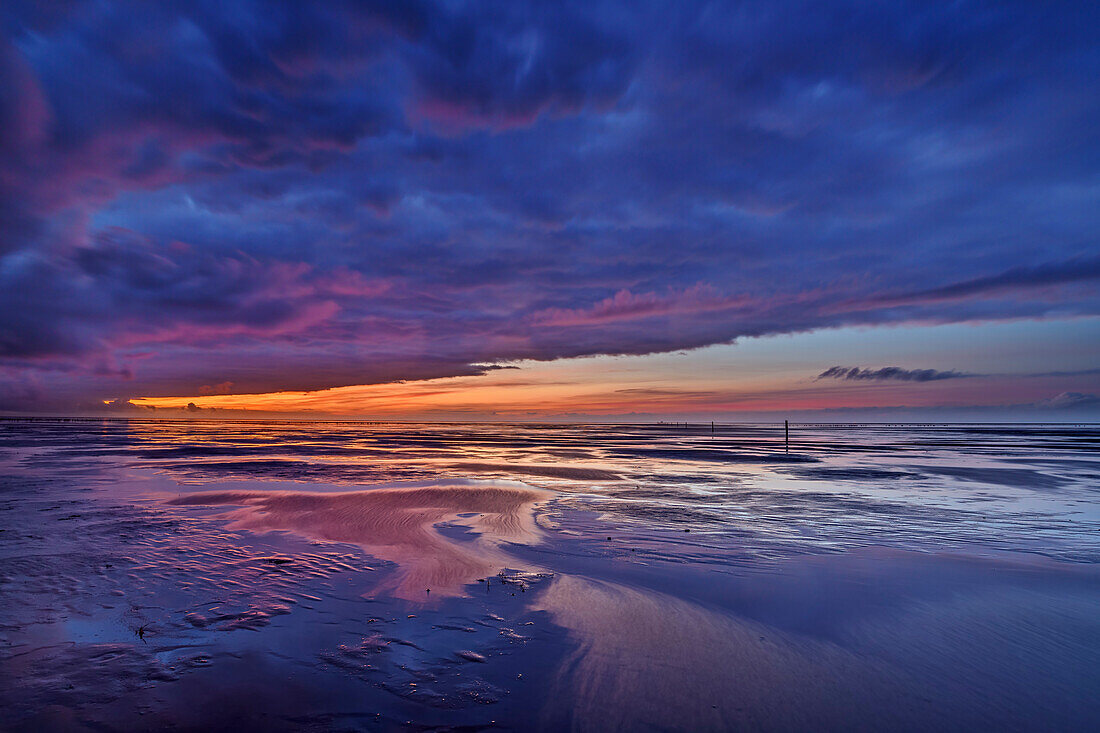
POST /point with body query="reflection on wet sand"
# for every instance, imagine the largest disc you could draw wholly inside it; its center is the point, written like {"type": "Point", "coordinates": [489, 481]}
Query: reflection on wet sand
{"type": "Point", "coordinates": [894, 578]}
{"type": "Point", "coordinates": [648, 660]}
{"type": "Point", "coordinates": [871, 640]}
{"type": "Point", "coordinates": [398, 525]}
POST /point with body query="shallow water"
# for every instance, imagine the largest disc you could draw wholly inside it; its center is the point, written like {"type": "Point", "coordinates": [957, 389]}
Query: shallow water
{"type": "Point", "coordinates": [352, 576]}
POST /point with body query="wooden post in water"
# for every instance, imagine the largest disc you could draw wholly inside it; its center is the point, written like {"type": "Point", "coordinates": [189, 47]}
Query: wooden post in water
{"type": "Point", "coordinates": [786, 436]}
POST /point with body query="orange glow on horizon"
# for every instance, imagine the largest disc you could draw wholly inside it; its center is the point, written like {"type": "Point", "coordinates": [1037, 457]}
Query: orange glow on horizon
{"type": "Point", "coordinates": [602, 386]}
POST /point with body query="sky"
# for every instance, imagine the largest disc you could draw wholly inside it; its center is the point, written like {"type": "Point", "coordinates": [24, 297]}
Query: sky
{"type": "Point", "coordinates": [551, 210]}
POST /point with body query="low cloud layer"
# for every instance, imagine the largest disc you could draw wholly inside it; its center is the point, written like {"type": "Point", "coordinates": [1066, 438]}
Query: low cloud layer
{"type": "Point", "coordinates": [287, 195]}
{"type": "Point", "coordinates": [890, 373]}
{"type": "Point", "coordinates": [1070, 401]}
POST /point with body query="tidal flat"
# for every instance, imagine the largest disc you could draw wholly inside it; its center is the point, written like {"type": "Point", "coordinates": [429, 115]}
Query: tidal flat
{"type": "Point", "coordinates": [265, 575]}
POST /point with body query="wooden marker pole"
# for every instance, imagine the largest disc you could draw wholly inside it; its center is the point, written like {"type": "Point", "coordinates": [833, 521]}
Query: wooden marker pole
{"type": "Point", "coordinates": [786, 436]}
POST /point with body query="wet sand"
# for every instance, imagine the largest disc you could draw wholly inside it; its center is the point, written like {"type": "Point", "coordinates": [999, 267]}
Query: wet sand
{"type": "Point", "coordinates": [397, 525]}
{"type": "Point", "coordinates": [276, 577]}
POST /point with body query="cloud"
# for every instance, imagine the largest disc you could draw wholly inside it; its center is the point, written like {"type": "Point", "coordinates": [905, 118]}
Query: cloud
{"type": "Point", "coordinates": [1076, 270]}
{"type": "Point", "coordinates": [121, 288]}
{"type": "Point", "coordinates": [298, 195]}
{"type": "Point", "coordinates": [222, 388]}
{"type": "Point", "coordinates": [1070, 401]}
{"type": "Point", "coordinates": [500, 65]}
{"type": "Point", "coordinates": [891, 373]}
{"type": "Point", "coordinates": [122, 406]}
{"type": "Point", "coordinates": [627, 306]}
{"type": "Point", "coordinates": [125, 407]}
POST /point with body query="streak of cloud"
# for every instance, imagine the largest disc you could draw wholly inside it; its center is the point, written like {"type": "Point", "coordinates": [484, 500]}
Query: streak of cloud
{"type": "Point", "coordinates": [891, 374]}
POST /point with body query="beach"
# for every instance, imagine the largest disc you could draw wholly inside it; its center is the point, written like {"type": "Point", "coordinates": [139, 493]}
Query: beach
{"type": "Point", "coordinates": [267, 575]}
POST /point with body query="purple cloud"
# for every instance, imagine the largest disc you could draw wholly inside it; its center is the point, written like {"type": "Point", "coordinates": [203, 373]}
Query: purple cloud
{"type": "Point", "coordinates": [299, 195]}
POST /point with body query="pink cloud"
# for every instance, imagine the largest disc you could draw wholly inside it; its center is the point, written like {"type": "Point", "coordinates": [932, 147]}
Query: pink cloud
{"type": "Point", "coordinates": [628, 306]}
{"type": "Point", "coordinates": [343, 282]}
{"type": "Point", "coordinates": [453, 118]}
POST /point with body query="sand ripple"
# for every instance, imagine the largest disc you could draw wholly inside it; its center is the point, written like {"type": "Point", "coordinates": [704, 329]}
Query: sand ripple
{"type": "Point", "coordinates": [398, 525]}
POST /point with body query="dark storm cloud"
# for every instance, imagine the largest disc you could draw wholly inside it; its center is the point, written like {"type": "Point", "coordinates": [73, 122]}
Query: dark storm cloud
{"type": "Point", "coordinates": [890, 373]}
{"type": "Point", "coordinates": [287, 195]}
